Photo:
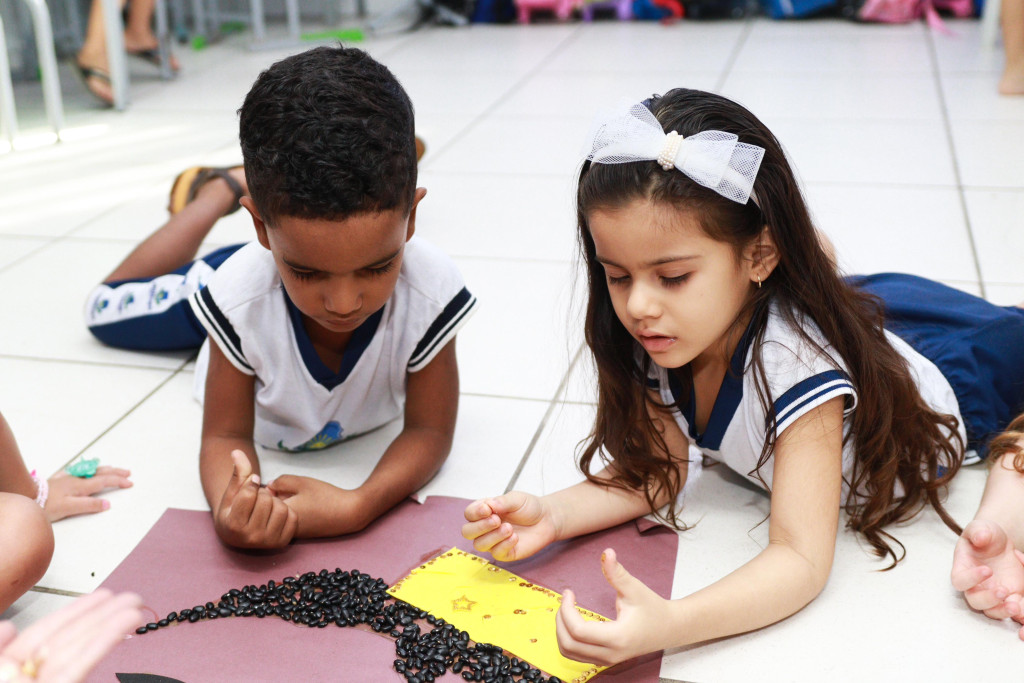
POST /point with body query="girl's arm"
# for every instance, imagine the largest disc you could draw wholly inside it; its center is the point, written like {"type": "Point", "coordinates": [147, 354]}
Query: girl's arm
{"type": "Point", "coordinates": [517, 525]}
{"type": "Point", "coordinates": [779, 581]}
{"type": "Point", "coordinates": [67, 496]}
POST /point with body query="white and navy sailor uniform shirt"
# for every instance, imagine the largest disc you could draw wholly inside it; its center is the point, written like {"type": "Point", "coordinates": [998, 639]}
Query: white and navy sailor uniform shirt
{"type": "Point", "coordinates": [301, 404]}
{"type": "Point", "coordinates": [799, 378]}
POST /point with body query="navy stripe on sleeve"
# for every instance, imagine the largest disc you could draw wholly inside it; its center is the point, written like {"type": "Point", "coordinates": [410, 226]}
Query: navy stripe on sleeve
{"type": "Point", "coordinates": [217, 324]}
{"type": "Point", "coordinates": [442, 329]}
{"type": "Point", "coordinates": [808, 393]}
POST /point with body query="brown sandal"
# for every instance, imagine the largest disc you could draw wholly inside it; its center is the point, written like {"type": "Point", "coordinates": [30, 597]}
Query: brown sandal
{"type": "Point", "coordinates": [186, 186]}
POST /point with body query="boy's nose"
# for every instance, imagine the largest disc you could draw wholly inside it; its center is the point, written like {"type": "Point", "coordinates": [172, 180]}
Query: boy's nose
{"type": "Point", "coordinates": [343, 298]}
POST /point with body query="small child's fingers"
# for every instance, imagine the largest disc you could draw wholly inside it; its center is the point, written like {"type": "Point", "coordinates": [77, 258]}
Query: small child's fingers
{"type": "Point", "coordinates": [480, 527]}
{"type": "Point", "coordinates": [507, 550]}
{"type": "Point", "coordinates": [84, 505]}
{"type": "Point", "coordinates": [262, 509]}
{"type": "Point", "coordinates": [109, 469]}
{"type": "Point", "coordinates": [242, 503]}
{"type": "Point", "coordinates": [486, 541]}
{"type": "Point", "coordinates": [477, 510]}
{"type": "Point", "coordinates": [87, 487]}
{"type": "Point", "coordinates": [277, 522]}
{"type": "Point", "coordinates": [965, 578]}
{"type": "Point", "coordinates": [240, 473]}
{"type": "Point", "coordinates": [984, 599]}
{"type": "Point", "coordinates": [508, 503]}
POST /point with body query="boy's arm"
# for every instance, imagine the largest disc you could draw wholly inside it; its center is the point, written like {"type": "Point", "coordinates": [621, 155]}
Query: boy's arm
{"type": "Point", "coordinates": [432, 401]}
{"type": "Point", "coordinates": [244, 514]}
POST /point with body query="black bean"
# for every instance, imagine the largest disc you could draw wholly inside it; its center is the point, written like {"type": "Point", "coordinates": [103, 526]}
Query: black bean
{"type": "Point", "coordinates": [142, 629]}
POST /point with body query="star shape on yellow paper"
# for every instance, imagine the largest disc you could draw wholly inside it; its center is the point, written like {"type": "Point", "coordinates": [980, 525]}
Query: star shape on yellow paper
{"type": "Point", "coordinates": [463, 604]}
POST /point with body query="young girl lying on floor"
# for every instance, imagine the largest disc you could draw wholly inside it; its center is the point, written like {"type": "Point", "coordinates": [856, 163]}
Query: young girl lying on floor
{"type": "Point", "coordinates": [718, 318]}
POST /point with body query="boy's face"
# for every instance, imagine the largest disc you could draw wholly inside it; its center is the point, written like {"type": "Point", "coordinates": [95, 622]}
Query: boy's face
{"type": "Point", "coordinates": [338, 272]}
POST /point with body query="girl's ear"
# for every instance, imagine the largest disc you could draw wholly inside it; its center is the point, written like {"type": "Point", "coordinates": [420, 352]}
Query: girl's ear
{"type": "Point", "coordinates": [762, 256]}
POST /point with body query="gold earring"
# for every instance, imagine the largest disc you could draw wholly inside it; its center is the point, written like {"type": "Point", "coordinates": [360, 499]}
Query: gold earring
{"type": "Point", "coordinates": [759, 282]}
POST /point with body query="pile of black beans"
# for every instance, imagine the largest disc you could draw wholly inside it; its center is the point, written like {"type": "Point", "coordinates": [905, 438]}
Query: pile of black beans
{"type": "Point", "coordinates": [347, 598]}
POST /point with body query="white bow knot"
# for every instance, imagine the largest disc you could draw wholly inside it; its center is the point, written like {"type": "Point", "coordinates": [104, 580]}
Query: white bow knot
{"type": "Point", "coordinates": [712, 158]}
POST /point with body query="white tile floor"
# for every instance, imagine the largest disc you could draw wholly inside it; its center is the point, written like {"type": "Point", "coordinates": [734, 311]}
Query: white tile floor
{"type": "Point", "coordinates": [910, 162]}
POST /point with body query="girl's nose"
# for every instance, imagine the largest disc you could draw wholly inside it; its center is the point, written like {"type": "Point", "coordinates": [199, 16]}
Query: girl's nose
{"type": "Point", "coordinates": [642, 303]}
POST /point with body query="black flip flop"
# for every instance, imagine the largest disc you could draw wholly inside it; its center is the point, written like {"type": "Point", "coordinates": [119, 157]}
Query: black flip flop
{"type": "Point", "coordinates": [150, 56]}
{"type": "Point", "coordinates": [85, 73]}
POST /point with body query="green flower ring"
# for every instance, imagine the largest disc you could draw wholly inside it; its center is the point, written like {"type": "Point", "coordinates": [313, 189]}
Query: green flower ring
{"type": "Point", "coordinates": [83, 468]}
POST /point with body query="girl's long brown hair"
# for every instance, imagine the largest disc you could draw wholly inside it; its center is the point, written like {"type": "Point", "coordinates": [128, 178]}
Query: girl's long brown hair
{"type": "Point", "coordinates": [906, 453]}
{"type": "Point", "coordinates": [1010, 441]}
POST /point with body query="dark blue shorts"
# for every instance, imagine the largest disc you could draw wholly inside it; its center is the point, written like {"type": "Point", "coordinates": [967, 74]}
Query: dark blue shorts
{"type": "Point", "coordinates": [153, 314]}
{"type": "Point", "coordinates": [978, 346]}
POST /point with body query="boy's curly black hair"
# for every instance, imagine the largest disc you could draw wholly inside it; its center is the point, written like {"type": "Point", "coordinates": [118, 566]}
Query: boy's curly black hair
{"type": "Point", "coordinates": [328, 133]}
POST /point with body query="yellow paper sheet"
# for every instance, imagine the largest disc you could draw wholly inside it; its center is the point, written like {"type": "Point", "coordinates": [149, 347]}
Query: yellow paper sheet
{"type": "Point", "coordinates": [494, 606]}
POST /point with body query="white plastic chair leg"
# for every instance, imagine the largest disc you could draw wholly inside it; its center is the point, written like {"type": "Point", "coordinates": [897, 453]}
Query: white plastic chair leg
{"type": "Point", "coordinates": [163, 37]}
{"type": "Point", "coordinates": [8, 114]}
{"type": "Point", "coordinates": [990, 24]}
{"type": "Point", "coordinates": [117, 60]}
{"type": "Point", "coordinates": [47, 63]}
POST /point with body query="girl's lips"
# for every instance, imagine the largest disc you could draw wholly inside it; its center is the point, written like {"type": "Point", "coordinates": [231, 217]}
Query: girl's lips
{"type": "Point", "coordinates": [656, 343]}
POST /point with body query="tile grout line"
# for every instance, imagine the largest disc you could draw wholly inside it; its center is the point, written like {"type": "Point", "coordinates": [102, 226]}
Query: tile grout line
{"type": "Point", "coordinates": [948, 127]}
{"type": "Point", "coordinates": [748, 26]}
{"type": "Point", "coordinates": [515, 87]}
{"type": "Point", "coordinates": [55, 591]}
{"type": "Point", "coordinates": [95, 363]}
{"type": "Point", "coordinates": [556, 400]}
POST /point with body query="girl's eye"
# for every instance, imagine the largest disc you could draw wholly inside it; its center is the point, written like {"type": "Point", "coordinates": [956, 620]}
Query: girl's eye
{"type": "Point", "coordinates": [617, 279]}
{"type": "Point", "coordinates": [386, 268]}
{"type": "Point", "coordinates": [673, 281]}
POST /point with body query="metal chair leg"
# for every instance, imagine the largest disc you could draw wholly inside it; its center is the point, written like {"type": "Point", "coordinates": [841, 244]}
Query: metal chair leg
{"type": "Point", "coordinates": [47, 63]}
{"type": "Point", "coordinates": [8, 114]}
{"type": "Point", "coordinates": [114, 29]}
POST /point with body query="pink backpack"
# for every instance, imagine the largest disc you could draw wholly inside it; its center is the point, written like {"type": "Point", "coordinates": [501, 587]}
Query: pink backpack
{"type": "Point", "coordinates": [905, 11]}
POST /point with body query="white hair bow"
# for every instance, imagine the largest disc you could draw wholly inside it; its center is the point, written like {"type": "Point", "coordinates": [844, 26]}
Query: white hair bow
{"type": "Point", "coordinates": [712, 158]}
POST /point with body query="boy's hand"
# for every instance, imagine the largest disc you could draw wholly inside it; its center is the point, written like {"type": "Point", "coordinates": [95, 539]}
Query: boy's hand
{"type": "Point", "coordinates": [322, 509]}
{"type": "Point", "coordinates": [989, 571]}
{"type": "Point", "coordinates": [250, 516]}
{"type": "Point", "coordinates": [70, 496]}
{"type": "Point", "coordinates": [639, 626]}
{"type": "Point", "coordinates": [509, 527]}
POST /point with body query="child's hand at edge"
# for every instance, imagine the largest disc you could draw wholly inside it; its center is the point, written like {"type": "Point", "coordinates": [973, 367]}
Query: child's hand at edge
{"type": "Point", "coordinates": [640, 624]}
{"type": "Point", "coordinates": [67, 644]}
{"type": "Point", "coordinates": [989, 571]}
{"type": "Point", "coordinates": [70, 496]}
{"type": "Point", "coordinates": [510, 527]}
{"type": "Point", "coordinates": [250, 516]}
{"type": "Point", "coordinates": [321, 508]}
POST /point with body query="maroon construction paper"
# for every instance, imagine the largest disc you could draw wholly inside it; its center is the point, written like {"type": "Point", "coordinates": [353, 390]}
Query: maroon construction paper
{"type": "Point", "coordinates": [181, 563]}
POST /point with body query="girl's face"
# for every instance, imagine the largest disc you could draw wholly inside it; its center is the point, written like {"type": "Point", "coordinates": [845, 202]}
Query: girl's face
{"type": "Point", "coordinates": [676, 290]}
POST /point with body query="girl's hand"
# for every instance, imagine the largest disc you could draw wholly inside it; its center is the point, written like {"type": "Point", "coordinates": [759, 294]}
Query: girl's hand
{"type": "Point", "coordinates": [641, 623]}
{"type": "Point", "coordinates": [70, 496]}
{"type": "Point", "coordinates": [510, 527]}
{"type": "Point", "coordinates": [989, 571]}
{"type": "Point", "coordinates": [67, 644]}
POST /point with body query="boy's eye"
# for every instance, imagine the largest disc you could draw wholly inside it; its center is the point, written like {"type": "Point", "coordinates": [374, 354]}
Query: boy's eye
{"type": "Point", "coordinates": [302, 274]}
{"type": "Point", "coordinates": [381, 270]}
